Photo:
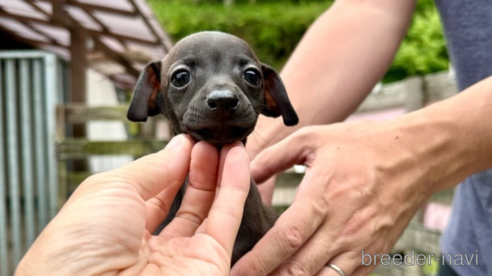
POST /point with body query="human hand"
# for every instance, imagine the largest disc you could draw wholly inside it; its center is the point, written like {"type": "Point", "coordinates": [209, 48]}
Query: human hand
{"type": "Point", "coordinates": [363, 183]}
{"type": "Point", "coordinates": [105, 227]}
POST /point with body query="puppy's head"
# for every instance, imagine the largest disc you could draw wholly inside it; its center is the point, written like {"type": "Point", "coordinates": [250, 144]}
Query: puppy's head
{"type": "Point", "coordinates": [212, 86]}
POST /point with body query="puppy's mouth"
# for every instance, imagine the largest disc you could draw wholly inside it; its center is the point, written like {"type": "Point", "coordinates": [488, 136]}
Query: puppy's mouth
{"type": "Point", "coordinates": [220, 135]}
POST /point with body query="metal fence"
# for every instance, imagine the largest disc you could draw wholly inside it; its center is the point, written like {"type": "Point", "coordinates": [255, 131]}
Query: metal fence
{"type": "Point", "coordinates": [30, 86]}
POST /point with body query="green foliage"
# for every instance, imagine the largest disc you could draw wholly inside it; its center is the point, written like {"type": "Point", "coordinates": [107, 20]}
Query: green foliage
{"type": "Point", "coordinates": [273, 29]}
{"type": "Point", "coordinates": [423, 50]}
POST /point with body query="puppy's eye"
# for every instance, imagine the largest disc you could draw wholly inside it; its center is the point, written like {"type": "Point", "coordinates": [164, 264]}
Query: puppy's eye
{"type": "Point", "coordinates": [252, 77]}
{"type": "Point", "coordinates": [180, 78]}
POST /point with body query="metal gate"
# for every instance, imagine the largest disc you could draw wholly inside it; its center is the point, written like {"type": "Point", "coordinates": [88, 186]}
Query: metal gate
{"type": "Point", "coordinates": [30, 86]}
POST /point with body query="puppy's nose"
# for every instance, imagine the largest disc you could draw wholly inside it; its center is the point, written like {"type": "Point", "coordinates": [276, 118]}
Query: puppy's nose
{"type": "Point", "coordinates": [222, 100]}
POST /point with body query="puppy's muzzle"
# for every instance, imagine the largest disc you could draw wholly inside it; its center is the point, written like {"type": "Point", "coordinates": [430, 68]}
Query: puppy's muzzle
{"type": "Point", "coordinates": [222, 117]}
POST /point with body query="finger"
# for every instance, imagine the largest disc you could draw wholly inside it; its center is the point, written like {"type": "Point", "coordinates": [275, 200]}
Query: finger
{"type": "Point", "coordinates": [158, 207]}
{"type": "Point", "coordinates": [290, 232]}
{"type": "Point", "coordinates": [315, 253]}
{"type": "Point", "coordinates": [223, 154]}
{"type": "Point", "coordinates": [227, 211]}
{"type": "Point", "coordinates": [199, 194]}
{"type": "Point", "coordinates": [346, 262]}
{"type": "Point", "coordinates": [153, 173]}
{"type": "Point", "coordinates": [223, 157]}
{"type": "Point", "coordinates": [279, 157]}
{"type": "Point", "coordinates": [363, 270]}
{"type": "Point", "coordinates": [266, 190]}
{"type": "Point", "coordinates": [311, 257]}
{"type": "Point", "coordinates": [202, 228]}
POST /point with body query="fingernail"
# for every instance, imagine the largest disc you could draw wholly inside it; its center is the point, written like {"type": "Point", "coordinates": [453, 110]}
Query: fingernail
{"type": "Point", "coordinates": [175, 142]}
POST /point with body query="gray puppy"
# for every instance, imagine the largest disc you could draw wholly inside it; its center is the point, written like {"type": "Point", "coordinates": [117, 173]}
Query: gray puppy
{"type": "Point", "coordinates": [212, 86]}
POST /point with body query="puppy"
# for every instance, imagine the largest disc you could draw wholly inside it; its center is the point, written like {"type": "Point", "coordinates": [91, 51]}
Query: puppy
{"type": "Point", "coordinates": [212, 86]}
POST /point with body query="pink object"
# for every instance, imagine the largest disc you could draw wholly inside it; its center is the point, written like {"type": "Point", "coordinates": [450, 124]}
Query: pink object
{"type": "Point", "coordinates": [436, 216]}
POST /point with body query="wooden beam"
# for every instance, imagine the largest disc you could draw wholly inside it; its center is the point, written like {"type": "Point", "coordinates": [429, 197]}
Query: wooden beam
{"type": "Point", "coordinates": [71, 24]}
{"type": "Point", "coordinates": [116, 57]}
{"type": "Point", "coordinates": [147, 23]}
{"type": "Point", "coordinates": [78, 64]}
{"type": "Point", "coordinates": [78, 77]}
{"type": "Point", "coordinates": [103, 27]}
{"type": "Point", "coordinates": [47, 36]}
{"type": "Point", "coordinates": [123, 84]}
{"type": "Point", "coordinates": [55, 16]}
{"type": "Point", "coordinates": [120, 37]}
{"type": "Point", "coordinates": [92, 7]}
{"type": "Point", "coordinates": [26, 19]}
{"type": "Point", "coordinates": [32, 42]}
{"type": "Point", "coordinates": [81, 148]}
{"type": "Point", "coordinates": [81, 114]}
{"type": "Point", "coordinates": [58, 13]}
{"type": "Point", "coordinates": [165, 41]}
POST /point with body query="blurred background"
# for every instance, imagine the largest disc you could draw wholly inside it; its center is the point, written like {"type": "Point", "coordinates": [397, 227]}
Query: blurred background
{"type": "Point", "coordinates": [273, 28]}
{"type": "Point", "coordinates": [68, 67]}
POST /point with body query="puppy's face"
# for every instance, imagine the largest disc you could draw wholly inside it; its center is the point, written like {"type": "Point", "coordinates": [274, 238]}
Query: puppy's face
{"type": "Point", "coordinates": [212, 86]}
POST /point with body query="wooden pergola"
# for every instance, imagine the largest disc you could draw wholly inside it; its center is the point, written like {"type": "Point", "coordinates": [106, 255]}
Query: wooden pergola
{"type": "Point", "coordinates": [114, 37]}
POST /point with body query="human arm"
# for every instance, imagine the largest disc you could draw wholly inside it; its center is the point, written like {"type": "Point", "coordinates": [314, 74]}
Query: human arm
{"type": "Point", "coordinates": [337, 63]}
{"type": "Point", "coordinates": [365, 181]}
{"type": "Point", "coordinates": [107, 224]}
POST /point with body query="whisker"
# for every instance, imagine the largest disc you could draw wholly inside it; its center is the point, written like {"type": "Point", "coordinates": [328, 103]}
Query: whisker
{"type": "Point", "coordinates": [256, 140]}
{"type": "Point", "coordinates": [167, 110]}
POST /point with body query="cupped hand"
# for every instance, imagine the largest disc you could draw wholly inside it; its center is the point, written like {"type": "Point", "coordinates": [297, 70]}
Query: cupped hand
{"type": "Point", "coordinates": [362, 185]}
{"type": "Point", "coordinates": [105, 227]}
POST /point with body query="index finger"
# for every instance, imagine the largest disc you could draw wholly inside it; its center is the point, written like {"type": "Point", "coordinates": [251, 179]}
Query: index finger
{"type": "Point", "coordinates": [281, 156]}
{"type": "Point", "coordinates": [226, 214]}
{"type": "Point", "coordinates": [290, 232]}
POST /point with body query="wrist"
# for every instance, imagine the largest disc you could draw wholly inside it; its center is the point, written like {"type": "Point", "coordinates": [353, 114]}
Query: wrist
{"type": "Point", "coordinates": [430, 141]}
{"type": "Point", "coordinates": [448, 141]}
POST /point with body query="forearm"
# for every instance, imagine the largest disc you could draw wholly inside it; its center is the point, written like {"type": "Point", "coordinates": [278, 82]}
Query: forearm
{"type": "Point", "coordinates": [449, 140]}
{"type": "Point", "coordinates": [337, 63]}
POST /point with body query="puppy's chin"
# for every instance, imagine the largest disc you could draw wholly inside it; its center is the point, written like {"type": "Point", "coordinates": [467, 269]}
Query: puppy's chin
{"type": "Point", "coordinates": [220, 135]}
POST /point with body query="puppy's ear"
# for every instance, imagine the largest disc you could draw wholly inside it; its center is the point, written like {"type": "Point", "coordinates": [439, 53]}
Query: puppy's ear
{"type": "Point", "coordinates": [143, 103]}
{"type": "Point", "coordinates": [276, 100]}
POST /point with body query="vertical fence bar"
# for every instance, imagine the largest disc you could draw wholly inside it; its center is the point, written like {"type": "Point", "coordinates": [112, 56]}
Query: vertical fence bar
{"type": "Point", "coordinates": [27, 150]}
{"type": "Point", "coordinates": [51, 87]}
{"type": "Point", "coordinates": [29, 91]}
{"type": "Point", "coordinates": [4, 259]}
{"type": "Point", "coordinates": [41, 177]}
{"type": "Point", "coordinates": [13, 159]}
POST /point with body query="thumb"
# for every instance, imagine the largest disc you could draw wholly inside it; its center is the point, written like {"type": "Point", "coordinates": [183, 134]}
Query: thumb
{"type": "Point", "coordinates": [279, 157]}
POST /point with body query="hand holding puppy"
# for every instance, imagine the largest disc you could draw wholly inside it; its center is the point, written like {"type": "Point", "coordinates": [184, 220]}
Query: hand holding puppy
{"type": "Point", "coordinates": [106, 225]}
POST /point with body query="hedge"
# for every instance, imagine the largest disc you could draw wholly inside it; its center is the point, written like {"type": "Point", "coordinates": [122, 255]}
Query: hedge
{"type": "Point", "coordinates": [273, 28]}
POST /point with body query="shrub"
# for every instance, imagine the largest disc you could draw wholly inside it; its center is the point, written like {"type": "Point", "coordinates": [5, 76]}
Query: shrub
{"type": "Point", "coordinates": [273, 29]}
{"type": "Point", "coordinates": [423, 50]}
